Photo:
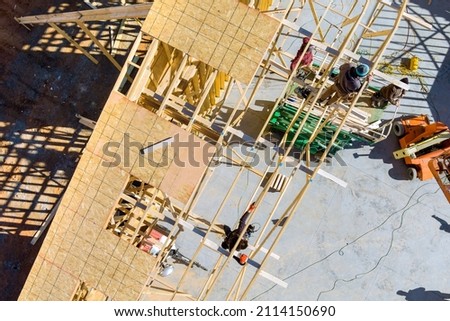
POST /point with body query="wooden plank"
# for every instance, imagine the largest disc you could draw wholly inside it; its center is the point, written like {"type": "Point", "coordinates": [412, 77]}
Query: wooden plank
{"type": "Point", "coordinates": [347, 16]}
{"type": "Point", "coordinates": [406, 15]}
{"type": "Point", "coordinates": [250, 139]}
{"type": "Point", "coordinates": [279, 72]}
{"type": "Point", "coordinates": [86, 122]}
{"type": "Point", "coordinates": [205, 94]}
{"type": "Point", "coordinates": [348, 21]}
{"type": "Point", "coordinates": [376, 33]}
{"type": "Point", "coordinates": [173, 84]}
{"type": "Point", "coordinates": [128, 198]}
{"type": "Point", "coordinates": [241, 91]}
{"type": "Point", "coordinates": [117, 12]}
{"type": "Point", "coordinates": [324, 174]}
{"type": "Point", "coordinates": [100, 46]}
{"type": "Point", "coordinates": [390, 79]}
{"type": "Point", "coordinates": [73, 42]}
{"type": "Point", "coordinates": [144, 72]}
{"type": "Point", "coordinates": [189, 72]}
{"type": "Point", "coordinates": [119, 36]}
{"type": "Point", "coordinates": [196, 230]}
{"type": "Point", "coordinates": [46, 223]}
{"type": "Point", "coordinates": [316, 18]}
{"type": "Point", "coordinates": [129, 61]}
{"type": "Point", "coordinates": [180, 106]}
{"type": "Point", "coordinates": [270, 277]}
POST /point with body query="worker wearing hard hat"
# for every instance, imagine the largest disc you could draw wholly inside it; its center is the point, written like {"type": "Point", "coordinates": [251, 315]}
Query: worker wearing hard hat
{"type": "Point", "coordinates": [348, 81]}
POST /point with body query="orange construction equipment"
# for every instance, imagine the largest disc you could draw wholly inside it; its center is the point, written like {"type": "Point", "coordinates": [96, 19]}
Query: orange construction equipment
{"type": "Point", "coordinates": [422, 143]}
{"type": "Point", "coordinates": [440, 168]}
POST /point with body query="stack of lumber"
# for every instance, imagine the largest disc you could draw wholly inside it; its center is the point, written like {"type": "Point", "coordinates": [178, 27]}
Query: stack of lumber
{"type": "Point", "coordinates": [286, 112]}
{"type": "Point", "coordinates": [357, 121]}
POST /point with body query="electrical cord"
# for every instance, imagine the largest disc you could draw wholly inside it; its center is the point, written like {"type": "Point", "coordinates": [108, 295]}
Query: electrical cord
{"type": "Point", "coordinates": [391, 242]}
{"type": "Point", "coordinates": [341, 252]}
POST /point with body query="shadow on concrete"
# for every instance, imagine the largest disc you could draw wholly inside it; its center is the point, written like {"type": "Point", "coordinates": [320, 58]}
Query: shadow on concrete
{"type": "Point", "coordinates": [41, 90]}
{"type": "Point", "coordinates": [439, 95]}
{"type": "Point", "coordinates": [420, 294]}
{"type": "Point", "coordinates": [444, 225]}
{"type": "Point", "coordinates": [429, 83]}
{"type": "Point", "coordinates": [384, 150]}
{"type": "Point", "coordinates": [279, 222]}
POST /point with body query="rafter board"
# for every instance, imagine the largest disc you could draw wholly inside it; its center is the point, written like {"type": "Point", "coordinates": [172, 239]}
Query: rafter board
{"type": "Point", "coordinates": [214, 246]}
{"type": "Point", "coordinates": [408, 16]}
{"type": "Point", "coordinates": [229, 36]}
{"type": "Point", "coordinates": [348, 53]}
{"type": "Point", "coordinates": [119, 12]}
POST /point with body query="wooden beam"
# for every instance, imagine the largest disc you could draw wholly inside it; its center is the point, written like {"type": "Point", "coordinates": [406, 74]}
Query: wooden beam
{"type": "Point", "coordinates": [85, 121]}
{"type": "Point", "coordinates": [348, 21]}
{"type": "Point", "coordinates": [99, 45]}
{"type": "Point", "coordinates": [316, 18]}
{"type": "Point", "coordinates": [390, 79]}
{"type": "Point", "coordinates": [376, 33]}
{"type": "Point", "coordinates": [118, 38]}
{"type": "Point", "coordinates": [205, 94]}
{"type": "Point", "coordinates": [241, 91]}
{"type": "Point", "coordinates": [124, 73]}
{"type": "Point", "coordinates": [46, 223]}
{"type": "Point", "coordinates": [144, 71]}
{"type": "Point", "coordinates": [111, 13]}
{"type": "Point", "coordinates": [73, 42]}
{"type": "Point", "coordinates": [173, 84]}
{"type": "Point", "coordinates": [406, 15]}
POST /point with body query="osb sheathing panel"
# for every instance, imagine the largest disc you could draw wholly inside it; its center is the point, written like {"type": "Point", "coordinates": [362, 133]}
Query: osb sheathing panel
{"type": "Point", "coordinates": [77, 246]}
{"type": "Point", "coordinates": [228, 35]}
{"type": "Point", "coordinates": [175, 172]}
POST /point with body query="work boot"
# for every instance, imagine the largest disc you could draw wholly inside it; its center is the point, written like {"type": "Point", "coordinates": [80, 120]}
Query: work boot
{"type": "Point", "coordinates": [375, 100]}
{"type": "Point", "coordinates": [301, 75]}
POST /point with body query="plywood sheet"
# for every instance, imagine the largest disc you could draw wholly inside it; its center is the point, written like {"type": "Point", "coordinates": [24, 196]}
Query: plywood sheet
{"type": "Point", "coordinates": [203, 29]}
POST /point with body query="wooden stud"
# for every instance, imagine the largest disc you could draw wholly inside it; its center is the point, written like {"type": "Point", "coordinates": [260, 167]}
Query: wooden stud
{"type": "Point", "coordinates": [376, 33]}
{"type": "Point", "coordinates": [316, 18]}
{"type": "Point", "coordinates": [173, 84]}
{"type": "Point", "coordinates": [124, 72]}
{"type": "Point", "coordinates": [217, 85]}
{"type": "Point", "coordinates": [46, 223]}
{"type": "Point", "coordinates": [209, 83]}
{"type": "Point", "coordinates": [73, 42]}
{"type": "Point", "coordinates": [101, 47]}
{"type": "Point", "coordinates": [143, 73]}
{"type": "Point", "coordinates": [110, 13]}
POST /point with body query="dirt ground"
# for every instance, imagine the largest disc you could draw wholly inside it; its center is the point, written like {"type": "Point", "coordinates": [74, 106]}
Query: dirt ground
{"type": "Point", "coordinates": [44, 82]}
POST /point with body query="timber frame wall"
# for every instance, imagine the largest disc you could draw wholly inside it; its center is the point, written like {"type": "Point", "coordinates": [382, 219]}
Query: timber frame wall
{"type": "Point", "coordinates": [191, 93]}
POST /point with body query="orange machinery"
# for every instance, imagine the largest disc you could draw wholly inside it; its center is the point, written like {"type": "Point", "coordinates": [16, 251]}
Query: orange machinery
{"type": "Point", "coordinates": [421, 142]}
{"type": "Point", "coordinates": [440, 168]}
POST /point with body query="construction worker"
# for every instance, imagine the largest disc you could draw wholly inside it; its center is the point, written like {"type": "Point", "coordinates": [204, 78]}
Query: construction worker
{"type": "Point", "coordinates": [389, 94]}
{"type": "Point", "coordinates": [347, 82]}
{"type": "Point", "coordinates": [231, 238]}
{"type": "Point", "coordinates": [306, 61]}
